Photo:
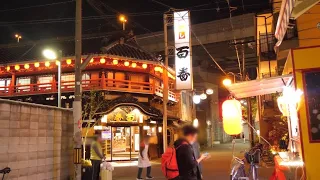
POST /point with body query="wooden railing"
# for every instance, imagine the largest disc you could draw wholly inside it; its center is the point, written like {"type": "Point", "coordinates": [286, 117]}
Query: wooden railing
{"type": "Point", "coordinates": [87, 85]}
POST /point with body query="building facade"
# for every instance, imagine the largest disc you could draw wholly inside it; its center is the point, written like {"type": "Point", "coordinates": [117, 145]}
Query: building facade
{"type": "Point", "coordinates": [122, 93]}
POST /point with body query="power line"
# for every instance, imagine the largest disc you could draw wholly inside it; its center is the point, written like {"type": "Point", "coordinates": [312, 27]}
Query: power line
{"type": "Point", "coordinates": [234, 38]}
{"type": "Point", "coordinates": [36, 6]}
{"type": "Point", "coordinates": [59, 20]}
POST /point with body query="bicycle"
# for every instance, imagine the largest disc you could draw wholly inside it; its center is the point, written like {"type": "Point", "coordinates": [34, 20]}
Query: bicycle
{"type": "Point", "coordinates": [5, 171]}
{"type": "Point", "coordinates": [252, 157]}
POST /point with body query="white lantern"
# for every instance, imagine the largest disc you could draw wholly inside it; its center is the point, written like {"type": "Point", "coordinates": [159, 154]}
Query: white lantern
{"type": "Point", "coordinates": [232, 115]}
{"type": "Point", "coordinates": [196, 99]}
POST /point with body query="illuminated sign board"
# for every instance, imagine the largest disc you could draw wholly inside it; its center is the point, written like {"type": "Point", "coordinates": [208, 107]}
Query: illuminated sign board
{"type": "Point", "coordinates": [183, 61]}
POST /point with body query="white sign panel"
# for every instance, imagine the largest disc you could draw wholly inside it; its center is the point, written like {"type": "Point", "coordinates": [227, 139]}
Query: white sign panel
{"type": "Point", "coordinates": [183, 62]}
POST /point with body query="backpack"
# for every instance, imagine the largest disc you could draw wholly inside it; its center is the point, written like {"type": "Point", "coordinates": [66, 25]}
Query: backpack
{"type": "Point", "coordinates": [169, 164]}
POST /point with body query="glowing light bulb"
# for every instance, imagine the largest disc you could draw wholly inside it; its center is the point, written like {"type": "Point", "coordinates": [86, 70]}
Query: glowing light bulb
{"type": "Point", "coordinates": [144, 66]}
{"type": "Point", "coordinates": [102, 60]}
{"type": "Point", "coordinates": [226, 82]}
{"type": "Point", "coordinates": [134, 65]}
{"type": "Point", "coordinates": [26, 66]}
{"type": "Point", "coordinates": [17, 67]}
{"type": "Point", "coordinates": [203, 96]}
{"type": "Point", "coordinates": [36, 64]}
{"type": "Point", "coordinates": [115, 62]}
{"type": "Point", "coordinates": [126, 63]}
{"type": "Point", "coordinates": [196, 99]}
{"type": "Point", "coordinates": [47, 64]}
{"type": "Point", "coordinates": [209, 91]}
{"type": "Point", "coordinates": [69, 61]}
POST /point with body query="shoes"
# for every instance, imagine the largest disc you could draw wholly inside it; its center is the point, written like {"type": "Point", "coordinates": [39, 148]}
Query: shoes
{"type": "Point", "coordinates": [149, 177]}
{"type": "Point", "coordinates": [139, 179]}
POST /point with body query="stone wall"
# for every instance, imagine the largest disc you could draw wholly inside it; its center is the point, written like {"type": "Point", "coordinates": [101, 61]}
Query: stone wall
{"type": "Point", "coordinates": [35, 141]}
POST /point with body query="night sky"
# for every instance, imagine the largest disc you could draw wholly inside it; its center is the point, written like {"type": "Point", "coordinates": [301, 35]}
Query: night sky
{"type": "Point", "coordinates": [143, 16]}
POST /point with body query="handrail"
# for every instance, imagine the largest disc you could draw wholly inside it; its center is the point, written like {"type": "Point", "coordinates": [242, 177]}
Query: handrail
{"type": "Point", "coordinates": [88, 84]}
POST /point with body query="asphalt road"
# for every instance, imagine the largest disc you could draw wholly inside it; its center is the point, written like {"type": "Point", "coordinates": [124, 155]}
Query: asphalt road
{"type": "Point", "coordinates": [215, 168]}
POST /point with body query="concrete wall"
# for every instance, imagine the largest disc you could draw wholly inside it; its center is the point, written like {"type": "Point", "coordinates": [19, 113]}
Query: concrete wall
{"type": "Point", "coordinates": [208, 32]}
{"type": "Point", "coordinates": [35, 141]}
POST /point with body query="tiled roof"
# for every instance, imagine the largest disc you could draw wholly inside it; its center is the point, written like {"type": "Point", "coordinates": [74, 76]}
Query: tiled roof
{"type": "Point", "coordinates": [117, 44]}
{"type": "Point", "coordinates": [127, 48]}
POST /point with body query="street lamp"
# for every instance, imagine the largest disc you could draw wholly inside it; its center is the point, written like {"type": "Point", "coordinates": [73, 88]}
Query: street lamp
{"type": "Point", "coordinates": [226, 82]}
{"type": "Point", "coordinates": [196, 99]}
{"type": "Point", "coordinates": [18, 37]}
{"type": "Point", "coordinates": [123, 19]}
{"type": "Point", "coordinates": [52, 55]}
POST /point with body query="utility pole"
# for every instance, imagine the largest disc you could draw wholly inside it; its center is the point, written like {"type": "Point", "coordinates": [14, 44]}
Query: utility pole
{"type": "Point", "coordinates": [165, 82]}
{"type": "Point", "coordinates": [77, 108]}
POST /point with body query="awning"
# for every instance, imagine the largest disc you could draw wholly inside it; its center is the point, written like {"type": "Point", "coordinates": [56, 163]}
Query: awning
{"type": "Point", "coordinates": [259, 87]}
{"type": "Point", "coordinates": [283, 20]}
{"type": "Point", "coordinates": [301, 7]}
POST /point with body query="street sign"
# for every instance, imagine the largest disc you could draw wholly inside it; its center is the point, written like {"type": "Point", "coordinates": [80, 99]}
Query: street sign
{"type": "Point", "coordinates": [183, 55]}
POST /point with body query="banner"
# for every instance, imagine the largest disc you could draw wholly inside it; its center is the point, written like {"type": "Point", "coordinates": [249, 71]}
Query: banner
{"type": "Point", "coordinates": [183, 61]}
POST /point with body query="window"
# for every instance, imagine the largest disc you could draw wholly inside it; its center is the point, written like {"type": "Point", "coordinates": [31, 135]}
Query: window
{"type": "Point", "coordinates": [86, 80]}
{"type": "Point", "coordinates": [45, 82]}
{"type": "Point", "coordinates": [23, 83]}
{"type": "Point", "coordinates": [4, 84]}
{"type": "Point", "coordinates": [67, 81]}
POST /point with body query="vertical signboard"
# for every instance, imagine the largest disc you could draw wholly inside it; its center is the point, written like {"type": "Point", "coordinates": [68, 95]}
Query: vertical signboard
{"type": "Point", "coordinates": [183, 61]}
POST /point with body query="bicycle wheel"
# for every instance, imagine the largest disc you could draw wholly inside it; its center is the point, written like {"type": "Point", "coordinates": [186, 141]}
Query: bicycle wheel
{"type": "Point", "coordinates": [254, 172]}
{"type": "Point", "coordinates": [239, 172]}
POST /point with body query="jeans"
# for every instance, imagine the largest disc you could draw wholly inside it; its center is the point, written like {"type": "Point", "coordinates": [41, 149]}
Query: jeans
{"type": "Point", "coordinates": [148, 172]}
{"type": "Point", "coordinates": [95, 169]}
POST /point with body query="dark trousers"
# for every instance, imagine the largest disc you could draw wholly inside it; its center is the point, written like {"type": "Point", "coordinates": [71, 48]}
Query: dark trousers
{"type": "Point", "coordinates": [148, 172]}
{"type": "Point", "coordinates": [95, 169]}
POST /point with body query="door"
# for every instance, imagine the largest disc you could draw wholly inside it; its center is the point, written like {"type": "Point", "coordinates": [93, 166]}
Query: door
{"type": "Point", "coordinates": [125, 143]}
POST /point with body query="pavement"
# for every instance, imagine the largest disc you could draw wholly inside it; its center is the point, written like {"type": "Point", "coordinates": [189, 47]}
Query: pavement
{"type": "Point", "coordinates": [215, 168]}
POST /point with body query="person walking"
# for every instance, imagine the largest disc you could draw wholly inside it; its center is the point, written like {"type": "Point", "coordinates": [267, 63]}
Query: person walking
{"type": "Point", "coordinates": [188, 164]}
{"type": "Point", "coordinates": [143, 160]}
{"type": "Point", "coordinates": [96, 156]}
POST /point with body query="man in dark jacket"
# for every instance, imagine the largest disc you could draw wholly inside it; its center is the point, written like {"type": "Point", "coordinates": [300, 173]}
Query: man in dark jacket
{"type": "Point", "coordinates": [187, 163]}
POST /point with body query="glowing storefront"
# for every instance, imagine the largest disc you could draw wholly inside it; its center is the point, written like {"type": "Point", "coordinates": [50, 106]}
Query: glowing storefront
{"type": "Point", "coordinates": [300, 102]}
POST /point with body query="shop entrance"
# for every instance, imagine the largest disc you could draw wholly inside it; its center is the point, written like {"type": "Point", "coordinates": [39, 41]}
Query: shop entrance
{"type": "Point", "coordinates": [123, 143]}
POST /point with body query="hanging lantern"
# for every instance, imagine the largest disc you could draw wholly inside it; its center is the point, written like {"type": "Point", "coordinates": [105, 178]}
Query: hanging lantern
{"type": "Point", "coordinates": [26, 66]}
{"type": "Point", "coordinates": [17, 67]}
{"type": "Point", "coordinates": [8, 68]}
{"type": "Point", "coordinates": [102, 60]}
{"type": "Point", "coordinates": [126, 63]}
{"type": "Point", "coordinates": [144, 66]}
{"type": "Point", "coordinates": [69, 61]}
{"type": "Point", "coordinates": [203, 96]}
{"type": "Point", "coordinates": [209, 91]}
{"type": "Point", "coordinates": [91, 60]}
{"type": "Point", "coordinates": [115, 62]}
{"type": "Point", "coordinates": [36, 64]}
{"type": "Point", "coordinates": [232, 115]}
{"type": "Point", "coordinates": [134, 65]}
{"type": "Point", "coordinates": [47, 64]}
